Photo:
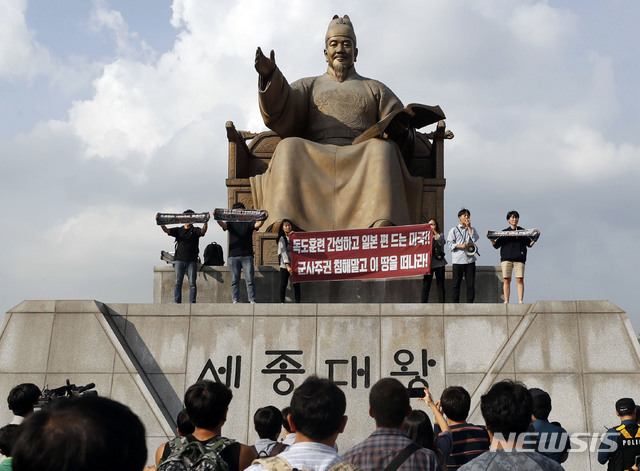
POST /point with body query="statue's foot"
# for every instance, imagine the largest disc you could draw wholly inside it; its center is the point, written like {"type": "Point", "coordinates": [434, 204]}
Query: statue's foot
{"type": "Point", "coordinates": [382, 223]}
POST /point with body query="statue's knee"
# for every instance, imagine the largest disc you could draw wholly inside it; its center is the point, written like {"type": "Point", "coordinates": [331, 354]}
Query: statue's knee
{"type": "Point", "coordinates": [288, 150]}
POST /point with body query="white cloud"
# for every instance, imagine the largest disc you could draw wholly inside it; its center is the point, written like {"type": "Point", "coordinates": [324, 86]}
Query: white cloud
{"type": "Point", "coordinates": [541, 25]}
{"type": "Point", "coordinates": [531, 102]}
{"type": "Point", "coordinates": [127, 42]}
{"type": "Point", "coordinates": [20, 54]}
{"type": "Point", "coordinates": [588, 156]}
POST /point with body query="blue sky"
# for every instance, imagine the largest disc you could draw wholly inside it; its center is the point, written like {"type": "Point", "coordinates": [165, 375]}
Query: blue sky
{"type": "Point", "coordinates": [111, 111]}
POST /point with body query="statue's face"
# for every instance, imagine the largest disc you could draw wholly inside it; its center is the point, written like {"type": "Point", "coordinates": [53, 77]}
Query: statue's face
{"type": "Point", "coordinates": [341, 52]}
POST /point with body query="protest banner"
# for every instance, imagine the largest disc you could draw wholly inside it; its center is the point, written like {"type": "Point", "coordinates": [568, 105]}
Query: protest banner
{"type": "Point", "coordinates": [360, 254]}
{"type": "Point", "coordinates": [181, 218]}
{"type": "Point", "coordinates": [239, 215]}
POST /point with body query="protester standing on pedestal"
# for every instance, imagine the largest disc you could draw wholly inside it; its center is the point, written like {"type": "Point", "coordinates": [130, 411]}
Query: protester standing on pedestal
{"type": "Point", "coordinates": [437, 264]}
{"type": "Point", "coordinates": [284, 259]}
{"type": "Point", "coordinates": [186, 256]}
{"type": "Point", "coordinates": [513, 255]}
{"type": "Point", "coordinates": [241, 253]}
{"type": "Point", "coordinates": [461, 241]}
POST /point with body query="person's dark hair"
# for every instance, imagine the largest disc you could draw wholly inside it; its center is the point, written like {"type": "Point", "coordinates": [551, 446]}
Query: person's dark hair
{"type": "Point", "coordinates": [22, 398]}
{"type": "Point", "coordinates": [184, 424]}
{"type": "Point", "coordinates": [507, 408]}
{"type": "Point", "coordinates": [464, 211]}
{"type": "Point", "coordinates": [417, 426]}
{"type": "Point", "coordinates": [189, 211]}
{"type": "Point", "coordinates": [207, 402]}
{"type": "Point", "coordinates": [81, 433]}
{"type": "Point", "coordinates": [7, 437]}
{"type": "Point", "coordinates": [541, 403]}
{"type": "Point", "coordinates": [238, 205]}
{"type": "Point", "coordinates": [455, 402]}
{"type": "Point", "coordinates": [268, 422]}
{"type": "Point", "coordinates": [437, 224]}
{"type": "Point", "coordinates": [285, 423]}
{"type": "Point", "coordinates": [281, 232]}
{"type": "Point", "coordinates": [317, 408]}
{"type": "Point", "coordinates": [389, 402]}
{"type": "Point", "coordinates": [513, 213]}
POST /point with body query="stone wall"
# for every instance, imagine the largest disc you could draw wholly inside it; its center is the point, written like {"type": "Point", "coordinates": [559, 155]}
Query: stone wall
{"type": "Point", "coordinates": [584, 353]}
{"type": "Point", "coordinates": [214, 286]}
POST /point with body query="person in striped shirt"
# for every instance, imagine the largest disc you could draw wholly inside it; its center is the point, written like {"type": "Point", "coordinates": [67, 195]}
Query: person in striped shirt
{"type": "Point", "coordinates": [469, 440]}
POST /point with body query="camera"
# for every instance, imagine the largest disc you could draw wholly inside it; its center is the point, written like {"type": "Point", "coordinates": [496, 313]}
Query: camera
{"type": "Point", "coordinates": [69, 390]}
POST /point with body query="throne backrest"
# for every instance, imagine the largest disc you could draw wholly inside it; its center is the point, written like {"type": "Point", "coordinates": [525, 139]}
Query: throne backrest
{"type": "Point", "coordinates": [250, 154]}
{"type": "Point", "coordinates": [247, 159]}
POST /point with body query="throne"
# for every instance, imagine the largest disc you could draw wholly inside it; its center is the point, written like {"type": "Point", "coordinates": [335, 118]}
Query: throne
{"type": "Point", "coordinates": [250, 153]}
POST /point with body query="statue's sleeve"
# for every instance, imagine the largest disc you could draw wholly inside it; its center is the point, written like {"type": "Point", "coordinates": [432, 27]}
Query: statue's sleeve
{"type": "Point", "coordinates": [283, 106]}
{"type": "Point", "coordinates": [387, 100]}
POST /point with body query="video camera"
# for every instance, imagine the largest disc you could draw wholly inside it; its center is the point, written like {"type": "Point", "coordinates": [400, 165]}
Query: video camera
{"type": "Point", "coordinates": [70, 390]}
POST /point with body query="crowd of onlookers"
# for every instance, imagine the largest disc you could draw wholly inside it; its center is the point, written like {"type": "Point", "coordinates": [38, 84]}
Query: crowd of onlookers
{"type": "Point", "coordinates": [96, 433]}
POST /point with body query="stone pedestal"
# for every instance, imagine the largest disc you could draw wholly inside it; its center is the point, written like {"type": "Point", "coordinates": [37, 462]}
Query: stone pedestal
{"type": "Point", "coordinates": [146, 355]}
{"type": "Point", "coordinates": [214, 286]}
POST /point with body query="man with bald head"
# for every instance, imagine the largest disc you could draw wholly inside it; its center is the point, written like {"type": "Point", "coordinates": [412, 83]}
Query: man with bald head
{"type": "Point", "coordinates": [317, 177]}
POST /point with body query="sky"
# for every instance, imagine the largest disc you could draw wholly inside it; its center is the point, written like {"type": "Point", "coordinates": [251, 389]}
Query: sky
{"type": "Point", "coordinates": [113, 110]}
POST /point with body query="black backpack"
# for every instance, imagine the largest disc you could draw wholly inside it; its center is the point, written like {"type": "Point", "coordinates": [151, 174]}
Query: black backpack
{"type": "Point", "coordinates": [213, 255]}
{"type": "Point", "coordinates": [188, 455]}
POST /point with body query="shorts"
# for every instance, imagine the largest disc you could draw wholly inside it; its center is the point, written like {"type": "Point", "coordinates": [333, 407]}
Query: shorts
{"type": "Point", "coordinates": [516, 267]}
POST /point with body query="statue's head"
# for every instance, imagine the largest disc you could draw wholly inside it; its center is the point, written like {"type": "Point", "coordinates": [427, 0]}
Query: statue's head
{"type": "Point", "coordinates": [340, 27]}
{"type": "Point", "coordinates": [340, 46]}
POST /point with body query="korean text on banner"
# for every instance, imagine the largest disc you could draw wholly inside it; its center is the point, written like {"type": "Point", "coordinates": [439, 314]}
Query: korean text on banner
{"type": "Point", "coordinates": [359, 254]}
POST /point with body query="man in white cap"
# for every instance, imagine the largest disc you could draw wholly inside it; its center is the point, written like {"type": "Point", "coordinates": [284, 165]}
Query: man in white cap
{"type": "Point", "coordinates": [317, 177]}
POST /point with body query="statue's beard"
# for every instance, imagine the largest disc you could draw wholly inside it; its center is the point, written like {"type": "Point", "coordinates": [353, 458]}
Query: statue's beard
{"type": "Point", "coordinates": [341, 71]}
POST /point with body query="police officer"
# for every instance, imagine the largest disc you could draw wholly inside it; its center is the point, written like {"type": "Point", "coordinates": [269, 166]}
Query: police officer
{"type": "Point", "coordinates": [621, 444]}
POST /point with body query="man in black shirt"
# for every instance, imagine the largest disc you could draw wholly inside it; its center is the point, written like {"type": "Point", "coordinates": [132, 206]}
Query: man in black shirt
{"type": "Point", "coordinates": [207, 403]}
{"type": "Point", "coordinates": [513, 255]}
{"type": "Point", "coordinates": [186, 256]}
{"type": "Point", "coordinates": [241, 253]}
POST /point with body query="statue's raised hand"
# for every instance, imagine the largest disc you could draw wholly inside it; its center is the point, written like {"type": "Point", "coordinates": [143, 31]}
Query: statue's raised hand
{"type": "Point", "coordinates": [265, 65]}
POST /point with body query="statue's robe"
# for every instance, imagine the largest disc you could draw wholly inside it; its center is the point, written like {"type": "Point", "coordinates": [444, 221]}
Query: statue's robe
{"type": "Point", "coordinates": [317, 178]}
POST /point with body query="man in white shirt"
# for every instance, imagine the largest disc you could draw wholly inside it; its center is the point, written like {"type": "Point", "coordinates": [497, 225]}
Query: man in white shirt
{"type": "Point", "coordinates": [317, 417]}
{"type": "Point", "coordinates": [268, 424]}
{"type": "Point", "coordinates": [461, 240]}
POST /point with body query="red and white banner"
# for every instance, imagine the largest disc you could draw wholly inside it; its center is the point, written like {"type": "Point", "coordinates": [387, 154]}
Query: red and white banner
{"type": "Point", "coordinates": [359, 254]}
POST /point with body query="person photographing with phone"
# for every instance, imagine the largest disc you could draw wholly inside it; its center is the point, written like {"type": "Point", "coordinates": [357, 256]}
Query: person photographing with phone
{"type": "Point", "coordinates": [418, 427]}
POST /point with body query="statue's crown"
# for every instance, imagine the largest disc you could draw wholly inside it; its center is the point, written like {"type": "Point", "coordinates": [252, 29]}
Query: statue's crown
{"type": "Point", "coordinates": [340, 27]}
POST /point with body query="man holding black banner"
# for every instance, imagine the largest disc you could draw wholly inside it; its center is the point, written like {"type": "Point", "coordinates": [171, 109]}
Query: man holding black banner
{"type": "Point", "coordinates": [186, 256]}
{"type": "Point", "coordinates": [241, 253]}
{"type": "Point", "coordinates": [513, 256]}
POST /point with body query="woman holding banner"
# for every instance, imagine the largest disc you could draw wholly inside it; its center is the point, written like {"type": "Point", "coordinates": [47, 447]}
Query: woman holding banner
{"type": "Point", "coordinates": [437, 264]}
{"type": "Point", "coordinates": [284, 258]}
